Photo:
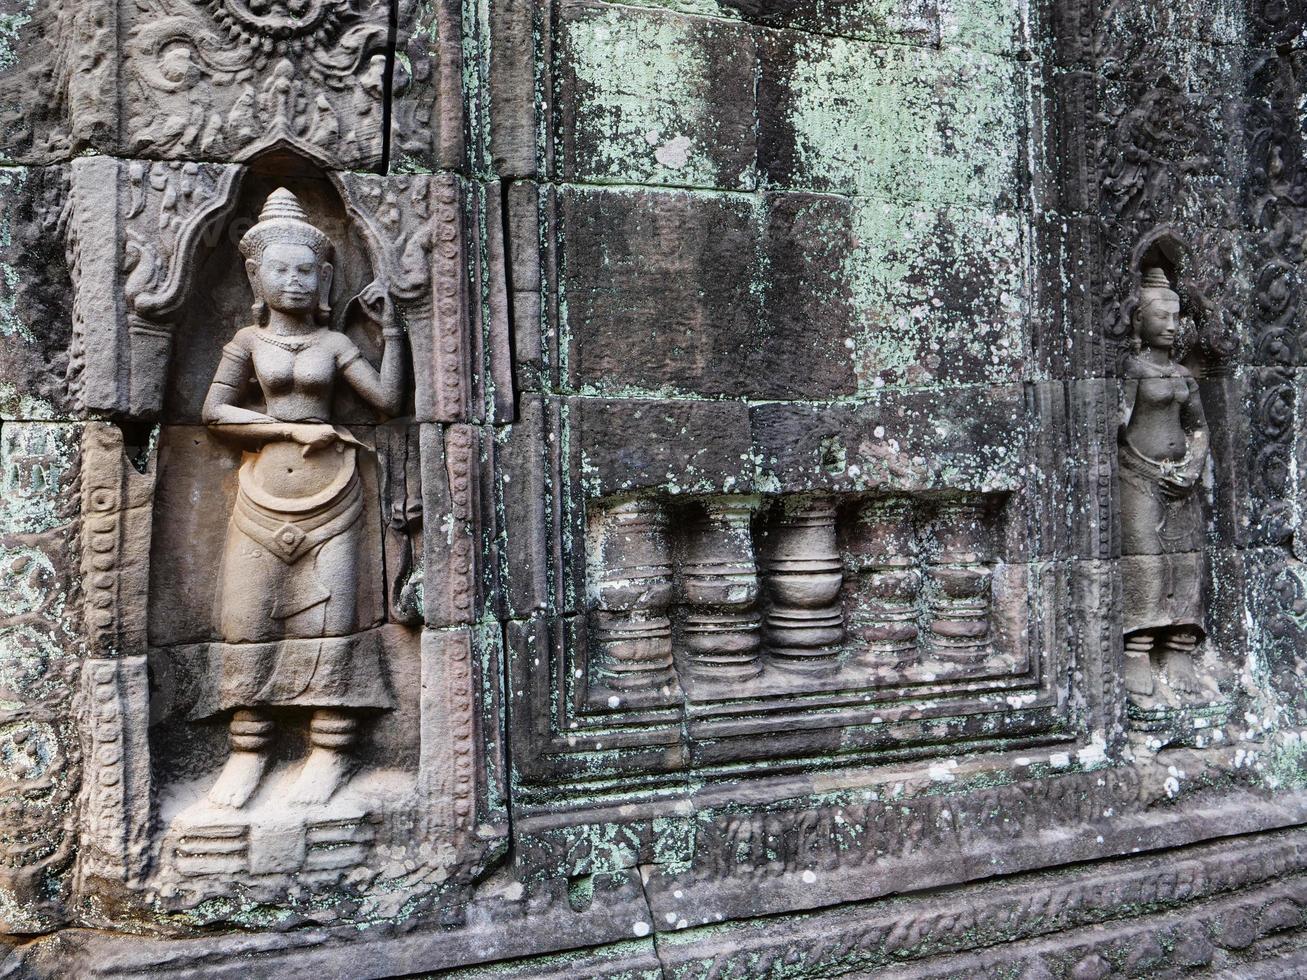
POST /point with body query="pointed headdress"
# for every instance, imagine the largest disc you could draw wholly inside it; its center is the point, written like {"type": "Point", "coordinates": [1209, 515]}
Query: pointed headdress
{"type": "Point", "coordinates": [283, 219]}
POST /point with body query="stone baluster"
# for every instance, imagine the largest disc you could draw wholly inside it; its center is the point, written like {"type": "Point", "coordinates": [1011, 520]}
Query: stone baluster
{"type": "Point", "coordinates": [633, 590]}
{"type": "Point", "coordinates": [885, 587]}
{"type": "Point", "coordinates": [719, 583]}
{"type": "Point", "coordinates": [958, 581]}
{"type": "Point", "coordinates": [803, 572]}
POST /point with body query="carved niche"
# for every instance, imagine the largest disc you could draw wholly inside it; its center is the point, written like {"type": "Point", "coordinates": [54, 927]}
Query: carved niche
{"type": "Point", "coordinates": [1162, 459]}
{"type": "Point", "coordinates": [695, 624]}
{"type": "Point", "coordinates": [291, 701]}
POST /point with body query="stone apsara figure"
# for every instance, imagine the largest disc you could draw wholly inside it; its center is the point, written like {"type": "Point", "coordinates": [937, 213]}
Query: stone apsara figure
{"type": "Point", "coordinates": [1163, 444]}
{"type": "Point", "coordinates": [289, 605]}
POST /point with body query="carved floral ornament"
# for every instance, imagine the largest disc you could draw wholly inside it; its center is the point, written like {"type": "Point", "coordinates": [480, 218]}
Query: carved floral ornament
{"type": "Point", "coordinates": [234, 76]}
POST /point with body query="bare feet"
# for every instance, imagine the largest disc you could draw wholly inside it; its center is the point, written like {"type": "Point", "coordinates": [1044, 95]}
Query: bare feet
{"type": "Point", "coordinates": [324, 772]}
{"type": "Point", "coordinates": [239, 778]}
{"type": "Point", "coordinates": [1139, 675]}
{"type": "Point", "coordinates": [1180, 674]}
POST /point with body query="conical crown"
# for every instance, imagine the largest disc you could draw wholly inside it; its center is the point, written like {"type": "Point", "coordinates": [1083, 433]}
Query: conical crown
{"type": "Point", "coordinates": [1155, 278]}
{"type": "Point", "coordinates": [283, 220]}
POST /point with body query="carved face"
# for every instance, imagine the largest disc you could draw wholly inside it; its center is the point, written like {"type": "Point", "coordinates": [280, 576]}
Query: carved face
{"type": "Point", "coordinates": [289, 277]}
{"type": "Point", "coordinates": [1159, 321]}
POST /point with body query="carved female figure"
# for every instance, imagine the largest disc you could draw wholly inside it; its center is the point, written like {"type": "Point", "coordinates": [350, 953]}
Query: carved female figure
{"type": "Point", "coordinates": [289, 599]}
{"type": "Point", "coordinates": [1162, 452]}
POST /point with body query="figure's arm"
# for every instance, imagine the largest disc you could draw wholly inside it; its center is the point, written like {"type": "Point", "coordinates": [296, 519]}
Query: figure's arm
{"type": "Point", "coordinates": [1129, 392]}
{"type": "Point", "coordinates": [1194, 422]}
{"type": "Point", "coordinates": [227, 419]}
{"type": "Point", "coordinates": [229, 382]}
{"type": "Point", "coordinates": [384, 389]}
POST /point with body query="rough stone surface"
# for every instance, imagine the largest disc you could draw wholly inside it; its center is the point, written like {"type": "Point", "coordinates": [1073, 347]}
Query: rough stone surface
{"type": "Point", "coordinates": [674, 488]}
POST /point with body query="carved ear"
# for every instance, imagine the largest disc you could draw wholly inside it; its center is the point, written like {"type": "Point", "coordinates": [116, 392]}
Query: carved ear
{"type": "Point", "coordinates": [325, 275]}
{"type": "Point", "coordinates": [252, 270]}
{"type": "Point", "coordinates": [324, 283]}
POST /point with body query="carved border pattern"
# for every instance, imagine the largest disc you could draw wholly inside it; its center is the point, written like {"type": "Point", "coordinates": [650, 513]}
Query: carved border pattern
{"type": "Point", "coordinates": [40, 612]}
{"type": "Point", "coordinates": [854, 939]}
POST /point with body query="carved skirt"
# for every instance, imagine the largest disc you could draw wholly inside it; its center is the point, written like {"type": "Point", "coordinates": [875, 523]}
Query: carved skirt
{"type": "Point", "coordinates": [1162, 562]}
{"type": "Point", "coordinates": [288, 604]}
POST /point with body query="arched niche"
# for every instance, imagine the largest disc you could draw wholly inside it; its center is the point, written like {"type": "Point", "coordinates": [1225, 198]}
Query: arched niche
{"type": "Point", "coordinates": [159, 288]}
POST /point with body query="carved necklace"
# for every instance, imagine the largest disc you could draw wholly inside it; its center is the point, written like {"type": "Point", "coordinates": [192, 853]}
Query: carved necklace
{"type": "Point", "coordinates": [293, 345]}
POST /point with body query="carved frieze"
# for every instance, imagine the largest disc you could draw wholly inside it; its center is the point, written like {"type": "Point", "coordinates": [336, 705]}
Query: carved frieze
{"type": "Point", "coordinates": [40, 628]}
{"type": "Point", "coordinates": [226, 78]}
{"type": "Point", "coordinates": [229, 79]}
{"type": "Point", "coordinates": [451, 517]}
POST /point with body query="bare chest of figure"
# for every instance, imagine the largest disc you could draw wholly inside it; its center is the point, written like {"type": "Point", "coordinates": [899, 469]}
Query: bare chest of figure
{"type": "Point", "coordinates": [1155, 429]}
{"type": "Point", "coordinates": [1163, 392]}
{"type": "Point", "coordinates": [296, 376]}
{"type": "Point", "coordinates": [297, 386]}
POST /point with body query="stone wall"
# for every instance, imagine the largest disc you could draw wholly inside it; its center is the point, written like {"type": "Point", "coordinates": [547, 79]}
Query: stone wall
{"type": "Point", "coordinates": [778, 534]}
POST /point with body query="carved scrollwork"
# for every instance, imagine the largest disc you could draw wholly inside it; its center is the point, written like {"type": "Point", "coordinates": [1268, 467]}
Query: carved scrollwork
{"type": "Point", "coordinates": [168, 207]}
{"type": "Point", "coordinates": [236, 76]}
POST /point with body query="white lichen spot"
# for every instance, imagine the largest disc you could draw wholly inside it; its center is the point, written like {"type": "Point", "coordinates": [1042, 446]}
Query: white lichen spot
{"type": "Point", "coordinates": [675, 153]}
{"type": "Point", "coordinates": [1095, 752]}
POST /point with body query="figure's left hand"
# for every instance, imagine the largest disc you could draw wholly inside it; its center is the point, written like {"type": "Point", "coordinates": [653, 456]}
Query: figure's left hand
{"type": "Point", "coordinates": [375, 300]}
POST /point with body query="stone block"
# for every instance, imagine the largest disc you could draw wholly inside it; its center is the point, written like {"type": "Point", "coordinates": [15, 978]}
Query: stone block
{"type": "Point", "coordinates": [514, 107]}
{"type": "Point", "coordinates": [428, 118]}
{"type": "Point", "coordinates": [527, 471]}
{"type": "Point", "coordinates": [942, 295]}
{"type": "Point", "coordinates": [899, 122]}
{"type": "Point", "coordinates": [35, 292]}
{"type": "Point", "coordinates": [654, 97]}
{"type": "Point", "coordinates": [966, 438]}
{"type": "Point", "coordinates": [676, 446]}
{"type": "Point", "coordinates": [41, 630]}
{"type": "Point", "coordinates": [659, 287]}
{"type": "Point", "coordinates": [59, 61]}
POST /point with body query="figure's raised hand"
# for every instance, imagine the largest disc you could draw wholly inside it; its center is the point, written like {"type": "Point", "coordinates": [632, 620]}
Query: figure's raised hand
{"type": "Point", "coordinates": [376, 303]}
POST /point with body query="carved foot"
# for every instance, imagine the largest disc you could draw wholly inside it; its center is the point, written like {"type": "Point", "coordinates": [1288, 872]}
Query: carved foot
{"type": "Point", "coordinates": [1184, 679]}
{"type": "Point", "coordinates": [332, 734]}
{"type": "Point", "coordinates": [1139, 675]}
{"type": "Point", "coordinates": [324, 772]}
{"type": "Point", "coordinates": [239, 779]}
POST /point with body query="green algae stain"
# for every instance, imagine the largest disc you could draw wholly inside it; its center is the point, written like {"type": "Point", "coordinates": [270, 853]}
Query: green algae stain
{"type": "Point", "coordinates": [939, 295]}
{"type": "Point", "coordinates": [11, 28]}
{"type": "Point", "coordinates": [905, 123]}
{"type": "Point", "coordinates": [11, 324]}
{"type": "Point", "coordinates": [641, 82]}
{"type": "Point", "coordinates": [998, 26]}
{"type": "Point", "coordinates": [36, 463]}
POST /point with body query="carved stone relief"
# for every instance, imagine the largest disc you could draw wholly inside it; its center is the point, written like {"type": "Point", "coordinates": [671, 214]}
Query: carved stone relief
{"type": "Point", "coordinates": [290, 687]}
{"type": "Point", "coordinates": [1163, 456]}
{"type": "Point", "coordinates": [581, 488]}
{"type": "Point", "coordinates": [734, 587]}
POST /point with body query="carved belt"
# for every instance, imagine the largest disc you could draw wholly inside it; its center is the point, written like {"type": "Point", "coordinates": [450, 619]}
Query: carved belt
{"type": "Point", "coordinates": [1156, 470]}
{"type": "Point", "coordinates": [290, 540]}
